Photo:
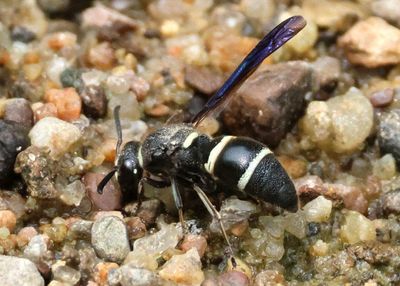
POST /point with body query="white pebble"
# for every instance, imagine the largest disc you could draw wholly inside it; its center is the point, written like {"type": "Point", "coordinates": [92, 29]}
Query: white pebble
{"type": "Point", "coordinates": [318, 210]}
{"type": "Point", "coordinates": [55, 134]}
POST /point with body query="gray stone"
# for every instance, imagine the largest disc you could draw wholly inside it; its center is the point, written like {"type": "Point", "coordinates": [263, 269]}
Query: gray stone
{"type": "Point", "coordinates": [389, 133]}
{"type": "Point", "coordinates": [132, 276]}
{"type": "Point", "coordinates": [16, 271]}
{"type": "Point", "coordinates": [269, 103]}
{"type": "Point", "coordinates": [110, 238]}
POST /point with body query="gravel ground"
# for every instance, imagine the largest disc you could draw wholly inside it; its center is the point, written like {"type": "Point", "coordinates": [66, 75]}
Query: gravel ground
{"type": "Point", "coordinates": [327, 103]}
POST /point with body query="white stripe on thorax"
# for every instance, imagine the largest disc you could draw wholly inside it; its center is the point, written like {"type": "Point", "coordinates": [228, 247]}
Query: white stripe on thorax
{"type": "Point", "coordinates": [245, 178]}
{"type": "Point", "coordinates": [212, 158]}
{"type": "Point", "coordinates": [189, 139]}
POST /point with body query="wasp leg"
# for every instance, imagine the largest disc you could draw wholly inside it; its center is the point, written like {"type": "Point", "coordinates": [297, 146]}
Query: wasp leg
{"type": "Point", "coordinates": [213, 211]}
{"type": "Point", "coordinates": [178, 202]}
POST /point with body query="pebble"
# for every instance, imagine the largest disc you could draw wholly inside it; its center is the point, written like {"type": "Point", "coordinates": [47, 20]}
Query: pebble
{"type": "Point", "coordinates": [13, 139]}
{"type": "Point", "coordinates": [183, 269]}
{"type": "Point", "coordinates": [149, 210]}
{"type": "Point", "coordinates": [25, 235]}
{"type": "Point", "coordinates": [232, 212]}
{"type": "Point", "coordinates": [67, 102]}
{"type": "Point", "coordinates": [14, 202]}
{"type": "Point", "coordinates": [267, 104]}
{"type": "Point", "coordinates": [38, 171]}
{"type": "Point", "coordinates": [19, 271]}
{"type": "Point", "coordinates": [55, 134]}
{"type": "Point", "coordinates": [295, 223]}
{"type": "Point", "coordinates": [372, 43]}
{"type": "Point", "coordinates": [133, 276]}
{"type": "Point", "coordinates": [198, 242]}
{"type": "Point", "coordinates": [357, 228]}
{"type": "Point", "coordinates": [101, 272]}
{"type": "Point", "coordinates": [341, 124]}
{"type": "Point", "coordinates": [81, 228]}
{"type": "Point", "coordinates": [309, 187]}
{"type": "Point", "coordinates": [42, 110]}
{"type": "Point", "coordinates": [101, 16]}
{"type": "Point", "coordinates": [111, 197]}
{"type": "Point", "coordinates": [335, 16]}
{"type": "Point", "coordinates": [110, 238]}
{"type": "Point", "coordinates": [388, 10]}
{"type": "Point", "coordinates": [385, 167]}
{"type": "Point", "coordinates": [203, 79]}
{"type": "Point", "coordinates": [37, 248]}
{"type": "Point", "coordinates": [60, 40]}
{"type": "Point", "coordinates": [101, 56]}
{"type": "Point", "coordinates": [269, 278]}
{"type": "Point", "coordinates": [65, 274]}
{"type": "Point", "coordinates": [319, 248]}
{"type": "Point", "coordinates": [55, 231]}
{"type": "Point", "coordinates": [22, 34]}
{"type": "Point", "coordinates": [382, 98]}
{"type": "Point", "coordinates": [158, 110]}
{"type": "Point", "coordinates": [55, 67]}
{"type": "Point", "coordinates": [147, 249]}
{"type": "Point", "coordinates": [352, 196]}
{"type": "Point", "coordinates": [8, 219]}
{"type": "Point", "coordinates": [72, 77]}
{"type": "Point", "coordinates": [233, 278]}
{"type": "Point", "coordinates": [227, 50]}
{"type": "Point", "coordinates": [136, 227]}
{"type": "Point", "coordinates": [19, 110]}
{"type": "Point", "coordinates": [296, 168]}
{"type": "Point", "coordinates": [327, 71]}
{"type": "Point", "coordinates": [318, 210]}
{"type": "Point", "coordinates": [390, 202]}
{"type": "Point", "coordinates": [72, 194]}
{"type": "Point", "coordinates": [94, 101]}
{"type": "Point", "coordinates": [389, 133]}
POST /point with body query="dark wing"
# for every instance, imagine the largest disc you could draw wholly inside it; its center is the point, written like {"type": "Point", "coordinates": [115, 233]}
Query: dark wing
{"type": "Point", "coordinates": [271, 42]}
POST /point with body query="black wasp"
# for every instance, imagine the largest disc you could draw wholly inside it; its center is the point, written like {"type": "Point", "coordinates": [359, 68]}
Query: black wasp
{"type": "Point", "coordinates": [178, 155]}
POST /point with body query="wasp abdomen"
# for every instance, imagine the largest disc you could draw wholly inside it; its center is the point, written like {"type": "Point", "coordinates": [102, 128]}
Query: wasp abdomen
{"type": "Point", "coordinates": [249, 166]}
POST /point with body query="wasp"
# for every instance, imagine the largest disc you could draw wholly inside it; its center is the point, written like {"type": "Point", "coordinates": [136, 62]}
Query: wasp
{"type": "Point", "coordinates": [178, 155]}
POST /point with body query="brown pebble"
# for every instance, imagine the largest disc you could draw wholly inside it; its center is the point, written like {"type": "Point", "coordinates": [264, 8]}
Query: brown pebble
{"type": "Point", "coordinates": [158, 110]}
{"type": "Point", "coordinates": [102, 56]}
{"type": "Point", "coordinates": [101, 272]}
{"type": "Point", "coordinates": [94, 101]}
{"type": "Point", "coordinates": [194, 241]}
{"type": "Point", "coordinates": [382, 98]}
{"type": "Point", "coordinates": [25, 235]}
{"type": "Point", "coordinates": [233, 278]}
{"type": "Point", "coordinates": [203, 79]}
{"type": "Point", "coordinates": [19, 110]}
{"type": "Point", "coordinates": [67, 102]}
{"type": "Point", "coordinates": [136, 227]}
{"type": "Point", "coordinates": [296, 168]}
{"type": "Point", "coordinates": [111, 197]}
{"type": "Point", "coordinates": [309, 187]}
{"type": "Point", "coordinates": [238, 229]}
{"type": "Point", "coordinates": [8, 219]}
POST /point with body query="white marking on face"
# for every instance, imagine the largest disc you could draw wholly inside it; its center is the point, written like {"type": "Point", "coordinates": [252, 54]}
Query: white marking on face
{"type": "Point", "coordinates": [212, 158]}
{"type": "Point", "coordinates": [245, 178]}
{"type": "Point", "coordinates": [140, 158]}
{"type": "Point", "coordinates": [189, 140]}
{"type": "Point", "coordinates": [135, 171]}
